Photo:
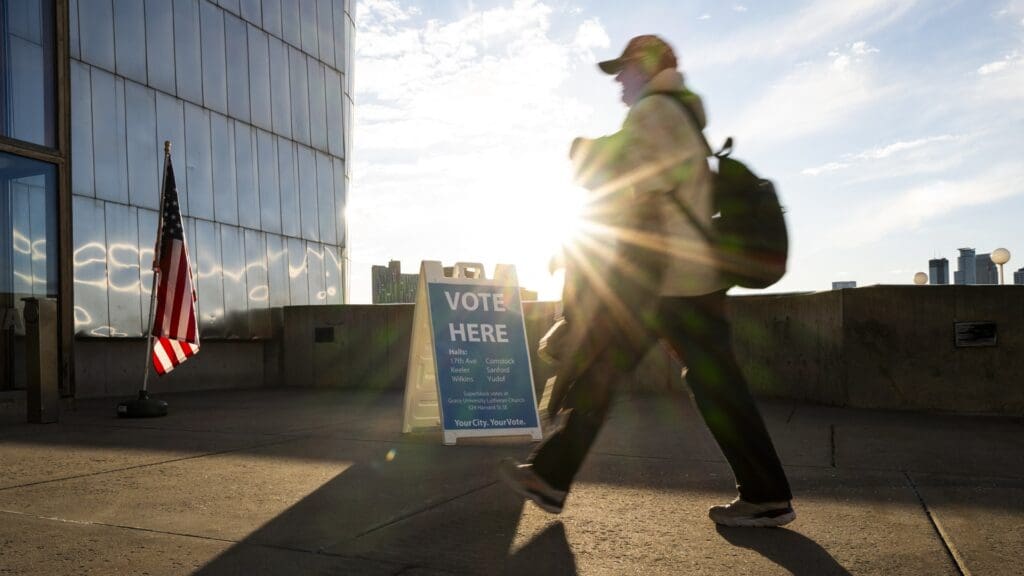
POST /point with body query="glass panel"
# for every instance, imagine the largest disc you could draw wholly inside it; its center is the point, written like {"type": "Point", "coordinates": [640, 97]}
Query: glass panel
{"type": "Point", "coordinates": [270, 193]}
{"type": "Point", "coordinates": [339, 34]}
{"type": "Point", "coordinates": [81, 130]}
{"type": "Point", "coordinates": [317, 105]}
{"type": "Point", "coordinates": [73, 29]}
{"type": "Point", "coordinates": [347, 122]}
{"type": "Point", "coordinates": [123, 295]}
{"type": "Point", "coordinates": [230, 5]}
{"type": "Point", "coordinates": [315, 273]}
{"type": "Point", "coordinates": [256, 282]}
{"type": "Point", "coordinates": [325, 198]}
{"type": "Point", "coordinates": [308, 194]}
{"type": "Point", "coordinates": [159, 44]}
{"type": "Point", "coordinates": [290, 22]}
{"type": "Point", "coordinates": [277, 271]}
{"type": "Point", "coordinates": [143, 170]}
{"type": "Point", "coordinates": [259, 78]}
{"type": "Point", "coordinates": [236, 310]}
{"type": "Point", "coordinates": [210, 285]}
{"type": "Point", "coordinates": [225, 194]}
{"type": "Point", "coordinates": [289, 179]}
{"type": "Point", "coordinates": [130, 31]}
{"type": "Point", "coordinates": [147, 246]}
{"type": "Point", "coordinates": [251, 11]}
{"type": "Point", "coordinates": [90, 265]}
{"type": "Point", "coordinates": [300, 95]}
{"type": "Point", "coordinates": [350, 32]}
{"type": "Point", "coordinates": [198, 163]}
{"type": "Point", "coordinates": [27, 84]}
{"type": "Point", "coordinates": [215, 85]}
{"type": "Point", "coordinates": [335, 132]}
{"type": "Point", "coordinates": [111, 161]}
{"type": "Point", "coordinates": [325, 31]}
{"type": "Point", "coordinates": [237, 44]}
{"type": "Point", "coordinates": [340, 200]}
{"type": "Point", "coordinates": [307, 15]}
{"type": "Point", "coordinates": [332, 275]}
{"type": "Point", "coordinates": [280, 92]}
{"type": "Point", "coordinates": [170, 125]}
{"type": "Point", "coordinates": [187, 57]}
{"type": "Point", "coordinates": [96, 29]}
{"type": "Point", "coordinates": [272, 16]}
{"type": "Point", "coordinates": [298, 283]}
{"type": "Point", "coordinates": [246, 176]}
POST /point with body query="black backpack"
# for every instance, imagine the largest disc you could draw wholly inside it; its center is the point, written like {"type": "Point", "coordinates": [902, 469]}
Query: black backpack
{"type": "Point", "coordinates": [749, 230]}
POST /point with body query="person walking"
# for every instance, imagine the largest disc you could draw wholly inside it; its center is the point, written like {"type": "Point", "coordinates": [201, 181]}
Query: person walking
{"type": "Point", "coordinates": [659, 281]}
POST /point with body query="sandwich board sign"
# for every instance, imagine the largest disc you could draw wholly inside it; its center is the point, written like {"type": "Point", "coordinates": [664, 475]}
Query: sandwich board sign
{"type": "Point", "coordinates": [469, 367]}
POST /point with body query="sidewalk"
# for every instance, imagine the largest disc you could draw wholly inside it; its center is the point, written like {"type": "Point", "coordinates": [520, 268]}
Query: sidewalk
{"type": "Point", "coordinates": [291, 481]}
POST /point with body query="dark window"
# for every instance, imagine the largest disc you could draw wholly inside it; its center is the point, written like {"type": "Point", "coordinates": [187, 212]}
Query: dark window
{"type": "Point", "coordinates": [27, 81]}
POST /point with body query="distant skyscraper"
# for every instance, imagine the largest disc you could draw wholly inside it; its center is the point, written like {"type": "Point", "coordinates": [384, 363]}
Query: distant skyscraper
{"type": "Point", "coordinates": [966, 268]}
{"type": "Point", "coordinates": [845, 284]}
{"type": "Point", "coordinates": [938, 271]}
{"type": "Point", "coordinates": [390, 286]}
{"type": "Point", "coordinates": [1018, 277]}
{"type": "Point", "coordinates": [985, 270]}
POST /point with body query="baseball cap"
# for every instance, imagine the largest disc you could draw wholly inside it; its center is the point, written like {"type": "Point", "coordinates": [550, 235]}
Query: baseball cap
{"type": "Point", "coordinates": [654, 52]}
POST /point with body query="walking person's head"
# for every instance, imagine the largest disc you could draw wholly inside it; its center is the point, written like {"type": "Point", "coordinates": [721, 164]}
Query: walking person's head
{"type": "Point", "coordinates": [642, 59]}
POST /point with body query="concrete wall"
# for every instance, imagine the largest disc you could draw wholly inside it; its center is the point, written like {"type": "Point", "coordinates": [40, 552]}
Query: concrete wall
{"type": "Point", "coordinates": [886, 347]}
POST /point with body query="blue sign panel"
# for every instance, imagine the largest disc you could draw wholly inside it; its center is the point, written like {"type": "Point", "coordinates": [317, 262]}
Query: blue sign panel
{"type": "Point", "coordinates": [483, 366]}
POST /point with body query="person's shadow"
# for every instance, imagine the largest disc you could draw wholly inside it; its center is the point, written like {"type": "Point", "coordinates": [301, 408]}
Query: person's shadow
{"type": "Point", "coordinates": [548, 553]}
{"type": "Point", "coordinates": [790, 550]}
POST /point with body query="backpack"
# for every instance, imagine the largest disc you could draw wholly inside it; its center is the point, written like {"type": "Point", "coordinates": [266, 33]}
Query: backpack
{"type": "Point", "coordinates": [749, 231]}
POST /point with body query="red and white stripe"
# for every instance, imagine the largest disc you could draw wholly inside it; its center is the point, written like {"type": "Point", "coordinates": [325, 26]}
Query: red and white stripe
{"type": "Point", "coordinates": [175, 324]}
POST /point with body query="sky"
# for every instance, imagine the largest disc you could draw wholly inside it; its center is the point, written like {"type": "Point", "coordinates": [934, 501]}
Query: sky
{"type": "Point", "coordinates": [892, 129]}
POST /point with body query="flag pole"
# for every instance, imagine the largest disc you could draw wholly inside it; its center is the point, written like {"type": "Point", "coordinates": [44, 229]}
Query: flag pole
{"type": "Point", "coordinates": [144, 405]}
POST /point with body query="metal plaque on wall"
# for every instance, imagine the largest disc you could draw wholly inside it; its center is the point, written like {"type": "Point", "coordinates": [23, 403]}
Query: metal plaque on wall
{"type": "Point", "coordinates": [974, 334]}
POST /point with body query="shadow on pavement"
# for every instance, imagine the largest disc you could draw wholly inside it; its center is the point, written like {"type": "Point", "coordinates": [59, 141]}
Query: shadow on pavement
{"type": "Point", "coordinates": [791, 550]}
{"type": "Point", "coordinates": [548, 553]}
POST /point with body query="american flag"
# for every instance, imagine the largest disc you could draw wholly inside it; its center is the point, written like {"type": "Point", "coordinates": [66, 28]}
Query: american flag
{"type": "Point", "coordinates": [174, 326]}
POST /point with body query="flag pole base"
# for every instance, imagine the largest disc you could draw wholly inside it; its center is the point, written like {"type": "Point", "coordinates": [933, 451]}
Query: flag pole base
{"type": "Point", "coordinates": [142, 407]}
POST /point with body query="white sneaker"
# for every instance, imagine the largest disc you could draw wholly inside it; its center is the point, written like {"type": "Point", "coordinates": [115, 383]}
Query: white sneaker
{"type": "Point", "coordinates": [742, 513]}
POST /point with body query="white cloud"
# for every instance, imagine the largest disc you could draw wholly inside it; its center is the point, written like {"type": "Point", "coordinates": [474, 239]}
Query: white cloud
{"type": "Point", "coordinates": [1011, 59]}
{"type": "Point", "coordinates": [914, 207]}
{"type": "Point", "coordinates": [739, 8]}
{"type": "Point", "coordinates": [820, 21]}
{"type": "Point", "coordinates": [814, 98]}
{"type": "Point", "coordinates": [704, 16]}
{"type": "Point", "coordinates": [877, 153]}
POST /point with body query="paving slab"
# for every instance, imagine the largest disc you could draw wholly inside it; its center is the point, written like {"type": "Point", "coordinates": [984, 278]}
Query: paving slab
{"type": "Point", "coordinates": [982, 518]}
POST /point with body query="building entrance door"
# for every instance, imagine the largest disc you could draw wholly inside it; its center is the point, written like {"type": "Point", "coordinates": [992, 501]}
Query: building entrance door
{"type": "Point", "coordinates": [28, 254]}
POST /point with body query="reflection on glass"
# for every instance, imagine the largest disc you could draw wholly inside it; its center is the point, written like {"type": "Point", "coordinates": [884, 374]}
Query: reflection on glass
{"type": "Point", "coordinates": [339, 34]}
{"type": "Point", "coordinates": [277, 271]}
{"type": "Point", "coordinates": [215, 85]}
{"type": "Point", "coordinates": [307, 15]}
{"type": "Point", "coordinates": [210, 284]}
{"type": "Point", "coordinates": [198, 162]}
{"type": "Point", "coordinates": [325, 198]}
{"type": "Point", "coordinates": [280, 91]}
{"type": "Point", "coordinates": [308, 193]}
{"type": "Point", "coordinates": [256, 283]}
{"type": "Point", "coordinates": [170, 125]}
{"type": "Point", "coordinates": [298, 281]}
{"type": "Point", "coordinates": [123, 291]}
{"type": "Point", "coordinates": [299, 96]}
{"type": "Point", "coordinates": [250, 10]}
{"type": "Point", "coordinates": [81, 130]}
{"type": "Point", "coordinates": [159, 43]}
{"type": "Point", "coordinates": [236, 297]}
{"type": "Point", "coordinates": [27, 86]}
{"type": "Point", "coordinates": [270, 193]}
{"type": "Point", "coordinates": [272, 16]}
{"type": "Point", "coordinates": [89, 261]}
{"type": "Point", "coordinates": [332, 275]}
{"type": "Point", "coordinates": [237, 44]}
{"type": "Point", "coordinates": [96, 30]}
{"type": "Point", "coordinates": [317, 105]}
{"type": "Point", "coordinates": [291, 29]}
{"type": "Point", "coordinates": [325, 31]}
{"type": "Point", "coordinates": [110, 156]}
{"type": "Point", "coordinates": [259, 77]}
{"type": "Point", "coordinates": [147, 246]}
{"type": "Point", "coordinates": [339, 199]}
{"type": "Point", "coordinates": [335, 133]}
{"type": "Point", "coordinates": [187, 59]}
{"type": "Point", "coordinates": [246, 176]}
{"type": "Point", "coordinates": [143, 170]}
{"type": "Point", "coordinates": [130, 31]}
{"type": "Point", "coordinates": [289, 179]}
{"type": "Point", "coordinates": [315, 272]}
{"type": "Point", "coordinates": [225, 195]}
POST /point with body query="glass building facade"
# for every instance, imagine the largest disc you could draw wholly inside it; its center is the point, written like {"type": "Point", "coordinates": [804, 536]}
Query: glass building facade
{"type": "Point", "coordinates": [255, 98]}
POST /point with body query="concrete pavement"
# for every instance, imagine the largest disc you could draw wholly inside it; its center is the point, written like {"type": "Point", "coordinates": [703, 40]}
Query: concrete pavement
{"type": "Point", "coordinates": [297, 481]}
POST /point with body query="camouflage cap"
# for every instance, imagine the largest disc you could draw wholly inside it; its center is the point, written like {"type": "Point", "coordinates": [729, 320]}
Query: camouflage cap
{"type": "Point", "coordinates": [652, 52]}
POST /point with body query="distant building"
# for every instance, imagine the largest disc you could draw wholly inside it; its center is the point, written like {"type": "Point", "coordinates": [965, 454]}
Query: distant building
{"type": "Point", "coordinates": [390, 286]}
{"type": "Point", "coordinates": [966, 268]}
{"type": "Point", "coordinates": [985, 270]}
{"type": "Point", "coordinates": [1018, 277]}
{"type": "Point", "coordinates": [844, 284]}
{"type": "Point", "coordinates": [938, 271]}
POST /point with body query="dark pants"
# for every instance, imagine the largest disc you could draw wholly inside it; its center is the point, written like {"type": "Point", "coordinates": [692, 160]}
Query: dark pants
{"type": "Point", "coordinates": [698, 332]}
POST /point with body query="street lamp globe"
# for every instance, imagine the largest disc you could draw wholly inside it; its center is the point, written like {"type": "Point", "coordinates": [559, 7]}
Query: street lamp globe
{"type": "Point", "coordinates": [1000, 256]}
{"type": "Point", "coordinates": [920, 278]}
